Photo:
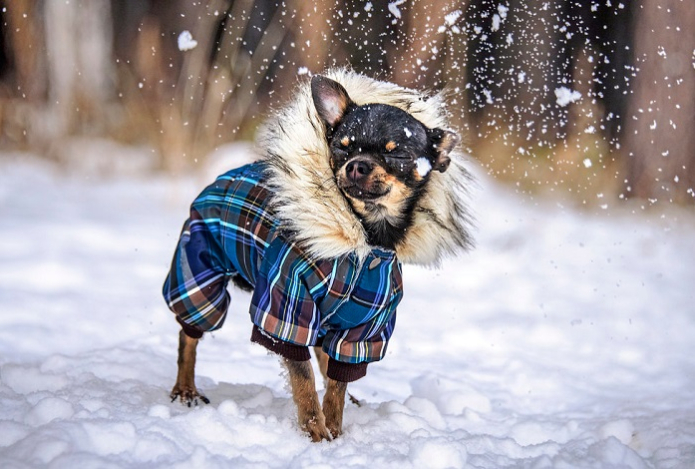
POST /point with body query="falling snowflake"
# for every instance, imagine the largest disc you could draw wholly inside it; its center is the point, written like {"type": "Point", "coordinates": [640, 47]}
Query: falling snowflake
{"type": "Point", "coordinates": [566, 96]}
{"type": "Point", "coordinates": [186, 41]}
{"type": "Point", "coordinates": [393, 8]}
{"type": "Point", "coordinates": [452, 17]}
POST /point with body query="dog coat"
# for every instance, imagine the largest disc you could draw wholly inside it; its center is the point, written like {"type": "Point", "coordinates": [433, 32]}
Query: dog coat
{"type": "Point", "coordinates": [285, 227]}
{"type": "Point", "coordinates": [347, 304]}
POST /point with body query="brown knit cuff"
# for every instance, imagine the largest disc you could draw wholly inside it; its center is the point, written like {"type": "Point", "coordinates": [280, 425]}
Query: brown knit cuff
{"type": "Point", "coordinates": [346, 372]}
{"type": "Point", "coordinates": [282, 348]}
{"type": "Point", "coordinates": [191, 331]}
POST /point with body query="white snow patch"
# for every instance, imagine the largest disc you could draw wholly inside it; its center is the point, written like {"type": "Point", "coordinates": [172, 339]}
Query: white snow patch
{"type": "Point", "coordinates": [488, 378]}
{"type": "Point", "coordinates": [451, 18]}
{"type": "Point", "coordinates": [423, 166]}
{"type": "Point", "coordinates": [436, 453]}
{"type": "Point", "coordinates": [623, 430]}
{"type": "Point", "coordinates": [186, 41]}
{"type": "Point", "coordinates": [496, 20]}
{"type": "Point", "coordinates": [499, 17]}
{"type": "Point", "coordinates": [49, 409]}
{"type": "Point", "coordinates": [393, 8]}
{"type": "Point", "coordinates": [502, 10]}
{"type": "Point", "coordinates": [565, 96]}
{"type": "Point", "coordinates": [407, 131]}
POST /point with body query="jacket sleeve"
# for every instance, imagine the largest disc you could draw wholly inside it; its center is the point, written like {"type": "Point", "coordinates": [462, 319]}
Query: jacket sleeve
{"type": "Point", "coordinates": [359, 345]}
{"type": "Point", "coordinates": [358, 333]}
{"type": "Point", "coordinates": [196, 287]}
{"type": "Point", "coordinates": [282, 307]}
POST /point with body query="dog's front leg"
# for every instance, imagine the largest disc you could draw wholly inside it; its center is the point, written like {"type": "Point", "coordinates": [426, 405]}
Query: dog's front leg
{"type": "Point", "coordinates": [322, 360]}
{"type": "Point", "coordinates": [309, 411]}
{"type": "Point", "coordinates": [333, 405]}
{"type": "Point", "coordinates": [184, 388]}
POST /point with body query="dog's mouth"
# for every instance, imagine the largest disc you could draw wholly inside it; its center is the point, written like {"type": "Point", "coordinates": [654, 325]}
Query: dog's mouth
{"type": "Point", "coordinates": [365, 193]}
{"type": "Point", "coordinates": [362, 179]}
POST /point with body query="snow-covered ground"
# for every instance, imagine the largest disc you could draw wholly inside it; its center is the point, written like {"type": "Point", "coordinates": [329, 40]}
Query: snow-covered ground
{"type": "Point", "coordinates": [564, 340]}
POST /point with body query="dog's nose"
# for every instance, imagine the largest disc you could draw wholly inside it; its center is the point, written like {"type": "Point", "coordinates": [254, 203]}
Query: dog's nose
{"type": "Point", "coordinates": [357, 170]}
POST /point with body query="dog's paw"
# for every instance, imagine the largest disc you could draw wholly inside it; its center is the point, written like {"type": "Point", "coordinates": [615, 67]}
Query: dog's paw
{"type": "Point", "coordinates": [335, 430]}
{"type": "Point", "coordinates": [334, 421]}
{"type": "Point", "coordinates": [316, 428]}
{"type": "Point", "coordinates": [188, 395]}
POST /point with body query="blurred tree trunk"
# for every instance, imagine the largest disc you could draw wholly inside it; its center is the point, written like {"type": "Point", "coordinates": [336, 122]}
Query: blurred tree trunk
{"type": "Point", "coordinates": [178, 81]}
{"type": "Point", "coordinates": [421, 62]}
{"type": "Point", "coordinates": [524, 59]}
{"type": "Point", "coordinates": [25, 41]}
{"type": "Point", "coordinates": [24, 77]}
{"type": "Point", "coordinates": [611, 32]}
{"type": "Point", "coordinates": [313, 32]}
{"type": "Point", "coordinates": [363, 36]}
{"type": "Point", "coordinates": [660, 125]}
{"type": "Point", "coordinates": [80, 67]}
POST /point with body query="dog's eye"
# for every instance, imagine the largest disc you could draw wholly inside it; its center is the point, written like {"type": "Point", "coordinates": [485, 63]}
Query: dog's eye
{"type": "Point", "coordinates": [340, 153]}
{"type": "Point", "coordinates": [401, 157]}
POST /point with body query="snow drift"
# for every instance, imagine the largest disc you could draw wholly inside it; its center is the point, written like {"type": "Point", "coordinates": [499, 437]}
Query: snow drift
{"type": "Point", "coordinates": [563, 340]}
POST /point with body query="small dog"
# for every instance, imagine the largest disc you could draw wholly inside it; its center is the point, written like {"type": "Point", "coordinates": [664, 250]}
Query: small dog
{"type": "Point", "coordinates": [349, 187]}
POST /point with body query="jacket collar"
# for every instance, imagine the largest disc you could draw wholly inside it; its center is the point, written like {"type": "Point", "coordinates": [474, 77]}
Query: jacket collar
{"type": "Point", "coordinates": [310, 205]}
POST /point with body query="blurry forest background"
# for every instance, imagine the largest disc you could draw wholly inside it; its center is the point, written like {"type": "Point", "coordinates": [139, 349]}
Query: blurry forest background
{"type": "Point", "coordinates": [590, 99]}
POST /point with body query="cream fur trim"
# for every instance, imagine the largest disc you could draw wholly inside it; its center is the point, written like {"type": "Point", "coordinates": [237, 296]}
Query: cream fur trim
{"type": "Point", "coordinates": [312, 208]}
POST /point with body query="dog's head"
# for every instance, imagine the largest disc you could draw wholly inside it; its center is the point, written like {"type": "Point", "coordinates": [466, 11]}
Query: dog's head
{"type": "Point", "coordinates": [381, 156]}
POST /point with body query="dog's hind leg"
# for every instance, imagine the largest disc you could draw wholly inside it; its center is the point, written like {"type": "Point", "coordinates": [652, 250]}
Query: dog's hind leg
{"type": "Point", "coordinates": [185, 389]}
{"type": "Point", "coordinates": [310, 415]}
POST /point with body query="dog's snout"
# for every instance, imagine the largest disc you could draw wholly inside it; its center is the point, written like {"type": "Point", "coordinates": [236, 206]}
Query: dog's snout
{"type": "Point", "coordinates": [357, 170]}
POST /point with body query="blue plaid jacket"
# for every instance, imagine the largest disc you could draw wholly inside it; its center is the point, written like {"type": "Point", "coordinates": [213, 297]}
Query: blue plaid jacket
{"type": "Point", "coordinates": [347, 306]}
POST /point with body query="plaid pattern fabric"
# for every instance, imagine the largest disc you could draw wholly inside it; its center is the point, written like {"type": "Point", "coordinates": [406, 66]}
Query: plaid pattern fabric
{"type": "Point", "coordinates": [349, 306]}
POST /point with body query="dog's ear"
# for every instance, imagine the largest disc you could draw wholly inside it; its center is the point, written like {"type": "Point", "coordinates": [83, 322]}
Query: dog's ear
{"type": "Point", "coordinates": [330, 98]}
{"type": "Point", "coordinates": [443, 141]}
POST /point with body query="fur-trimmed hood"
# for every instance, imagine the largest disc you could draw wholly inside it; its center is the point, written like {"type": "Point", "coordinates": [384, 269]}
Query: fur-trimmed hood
{"type": "Point", "coordinates": [312, 207]}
